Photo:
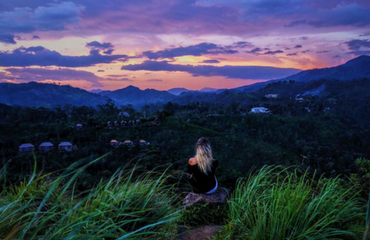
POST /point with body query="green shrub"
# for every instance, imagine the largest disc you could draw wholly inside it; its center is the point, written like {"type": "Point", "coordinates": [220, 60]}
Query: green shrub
{"type": "Point", "coordinates": [278, 204]}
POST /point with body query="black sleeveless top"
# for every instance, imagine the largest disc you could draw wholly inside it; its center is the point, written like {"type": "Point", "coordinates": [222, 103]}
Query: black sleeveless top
{"type": "Point", "coordinates": [201, 182]}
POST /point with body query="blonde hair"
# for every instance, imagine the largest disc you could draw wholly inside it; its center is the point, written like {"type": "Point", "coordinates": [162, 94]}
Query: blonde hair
{"type": "Point", "coordinates": [204, 155]}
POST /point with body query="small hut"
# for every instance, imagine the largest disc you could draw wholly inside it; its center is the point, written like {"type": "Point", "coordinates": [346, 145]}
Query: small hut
{"type": "Point", "coordinates": [128, 143]}
{"type": "Point", "coordinates": [65, 147]}
{"type": "Point", "coordinates": [26, 147]}
{"type": "Point", "coordinates": [143, 143]}
{"type": "Point", "coordinates": [114, 142]}
{"type": "Point", "coordinates": [46, 147]}
{"type": "Point", "coordinates": [79, 126]}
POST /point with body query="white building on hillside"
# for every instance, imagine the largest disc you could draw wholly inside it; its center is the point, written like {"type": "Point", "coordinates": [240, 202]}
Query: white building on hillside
{"type": "Point", "coordinates": [260, 110]}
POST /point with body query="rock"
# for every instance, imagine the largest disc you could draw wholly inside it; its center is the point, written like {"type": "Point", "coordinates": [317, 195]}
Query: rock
{"type": "Point", "coordinates": [201, 233]}
{"type": "Point", "coordinates": [219, 196]}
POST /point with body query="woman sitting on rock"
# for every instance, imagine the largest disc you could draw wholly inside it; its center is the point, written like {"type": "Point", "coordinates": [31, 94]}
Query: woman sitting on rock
{"type": "Point", "coordinates": [202, 168]}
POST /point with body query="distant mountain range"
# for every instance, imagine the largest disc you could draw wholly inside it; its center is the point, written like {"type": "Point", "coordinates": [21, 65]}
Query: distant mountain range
{"type": "Point", "coordinates": [49, 95]}
{"type": "Point", "coordinates": [135, 96]}
{"type": "Point", "coordinates": [34, 94]}
{"type": "Point", "coordinates": [353, 69]}
{"type": "Point", "coordinates": [178, 91]}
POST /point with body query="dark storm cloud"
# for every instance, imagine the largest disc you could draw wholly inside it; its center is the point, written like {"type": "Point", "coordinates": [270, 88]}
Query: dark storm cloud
{"type": "Point", "coordinates": [273, 52]}
{"type": "Point", "coordinates": [242, 72]}
{"type": "Point", "coordinates": [40, 74]}
{"type": "Point", "coordinates": [193, 50]}
{"type": "Point", "coordinates": [211, 61]}
{"type": "Point", "coordinates": [98, 45]}
{"type": "Point", "coordinates": [7, 38]}
{"type": "Point", "coordinates": [40, 56]}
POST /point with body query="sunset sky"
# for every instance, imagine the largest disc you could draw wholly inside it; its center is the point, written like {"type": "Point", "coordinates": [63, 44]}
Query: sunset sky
{"type": "Point", "coordinates": [164, 44]}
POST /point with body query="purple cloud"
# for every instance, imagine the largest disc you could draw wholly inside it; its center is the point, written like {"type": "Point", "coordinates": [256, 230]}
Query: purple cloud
{"type": "Point", "coordinates": [273, 52]}
{"type": "Point", "coordinates": [211, 61]}
{"type": "Point", "coordinates": [364, 34]}
{"type": "Point", "coordinates": [359, 47]}
{"type": "Point", "coordinates": [298, 46]}
{"type": "Point", "coordinates": [40, 56]}
{"type": "Point", "coordinates": [109, 51]}
{"type": "Point", "coordinates": [40, 74]}
{"type": "Point", "coordinates": [42, 18]}
{"type": "Point", "coordinates": [123, 79]}
{"type": "Point", "coordinates": [182, 16]}
{"type": "Point", "coordinates": [339, 15]}
{"type": "Point", "coordinates": [254, 50]}
{"type": "Point", "coordinates": [154, 80]}
{"type": "Point", "coordinates": [7, 38]}
{"type": "Point", "coordinates": [356, 44]}
{"type": "Point", "coordinates": [194, 50]}
{"type": "Point", "coordinates": [241, 44]}
{"type": "Point", "coordinates": [292, 54]}
{"type": "Point", "coordinates": [242, 72]}
{"type": "Point", "coordinates": [98, 45]}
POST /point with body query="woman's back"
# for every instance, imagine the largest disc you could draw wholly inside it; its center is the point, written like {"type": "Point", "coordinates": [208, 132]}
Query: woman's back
{"type": "Point", "coordinates": [202, 182]}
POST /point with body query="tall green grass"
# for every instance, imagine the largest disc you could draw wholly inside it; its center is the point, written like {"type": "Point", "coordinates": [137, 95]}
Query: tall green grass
{"type": "Point", "coordinates": [125, 207]}
{"type": "Point", "coordinates": [280, 204]}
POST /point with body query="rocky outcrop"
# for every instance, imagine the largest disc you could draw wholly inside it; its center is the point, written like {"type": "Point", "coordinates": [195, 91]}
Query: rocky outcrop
{"type": "Point", "coordinates": [220, 196]}
{"type": "Point", "coordinates": [201, 233]}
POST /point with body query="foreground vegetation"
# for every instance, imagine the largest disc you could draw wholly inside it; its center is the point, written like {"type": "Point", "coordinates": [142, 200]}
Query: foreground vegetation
{"type": "Point", "coordinates": [125, 207]}
{"type": "Point", "coordinates": [280, 204]}
{"type": "Point", "coordinates": [274, 203]}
